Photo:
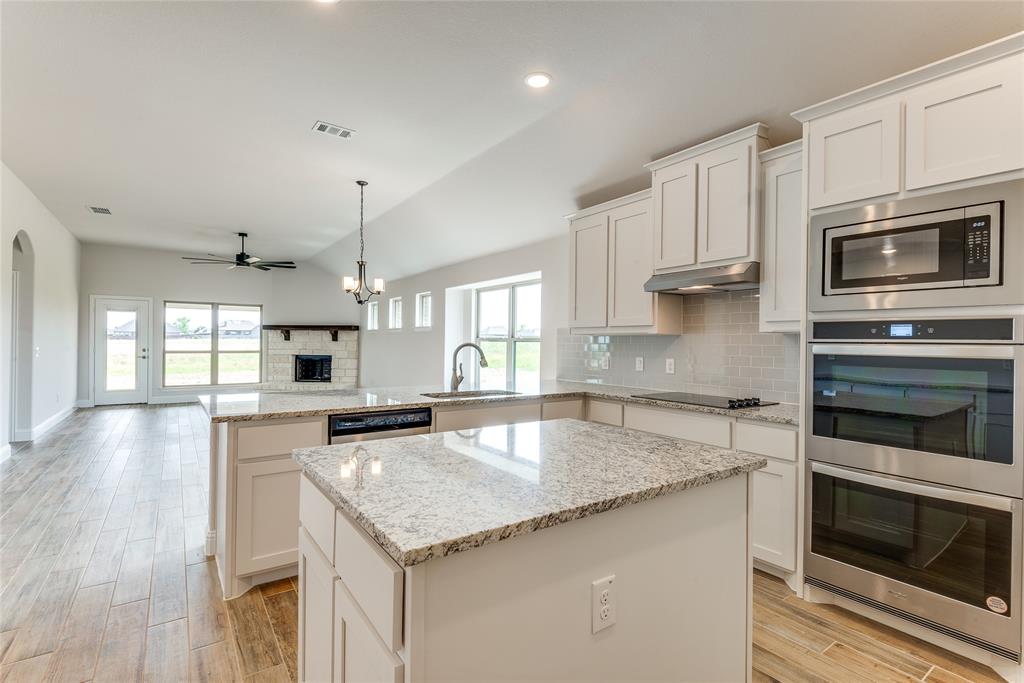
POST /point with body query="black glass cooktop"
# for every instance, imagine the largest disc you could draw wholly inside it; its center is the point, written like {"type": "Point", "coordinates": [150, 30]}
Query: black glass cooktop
{"type": "Point", "coordinates": [706, 400]}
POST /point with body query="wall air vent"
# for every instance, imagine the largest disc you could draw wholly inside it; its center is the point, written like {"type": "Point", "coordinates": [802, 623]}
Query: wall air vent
{"type": "Point", "coordinates": [100, 209]}
{"type": "Point", "coordinates": [333, 129]}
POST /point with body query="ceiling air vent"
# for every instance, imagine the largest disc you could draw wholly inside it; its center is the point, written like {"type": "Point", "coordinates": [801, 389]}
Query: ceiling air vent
{"type": "Point", "coordinates": [100, 209]}
{"type": "Point", "coordinates": [333, 129]}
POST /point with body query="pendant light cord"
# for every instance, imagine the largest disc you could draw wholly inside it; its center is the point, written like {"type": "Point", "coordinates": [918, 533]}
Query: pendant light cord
{"type": "Point", "coordinates": [362, 244]}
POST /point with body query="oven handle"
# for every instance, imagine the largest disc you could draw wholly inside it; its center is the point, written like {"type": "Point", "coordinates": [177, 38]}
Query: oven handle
{"type": "Point", "coordinates": [931, 491]}
{"type": "Point", "coordinates": [916, 350]}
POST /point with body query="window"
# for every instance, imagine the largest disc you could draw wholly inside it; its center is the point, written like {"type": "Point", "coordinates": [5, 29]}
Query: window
{"type": "Point", "coordinates": [508, 330]}
{"type": "Point", "coordinates": [208, 344]}
{"type": "Point", "coordinates": [395, 313]}
{"type": "Point", "coordinates": [372, 315]}
{"type": "Point", "coordinates": [423, 309]}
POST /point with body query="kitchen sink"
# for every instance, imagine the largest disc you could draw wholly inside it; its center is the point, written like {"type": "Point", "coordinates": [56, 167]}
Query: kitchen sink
{"type": "Point", "coordinates": [471, 394]}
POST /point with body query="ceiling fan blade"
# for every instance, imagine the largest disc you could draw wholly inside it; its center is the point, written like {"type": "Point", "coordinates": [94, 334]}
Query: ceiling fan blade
{"type": "Point", "coordinates": [252, 259]}
{"type": "Point", "coordinates": [210, 263]}
{"type": "Point", "coordinates": [232, 266]}
{"type": "Point", "coordinates": [277, 263]}
{"type": "Point", "coordinates": [228, 258]}
{"type": "Point", "coordinates": [289, 266]}
{"type": "Point", "coordinates": [260, 267]}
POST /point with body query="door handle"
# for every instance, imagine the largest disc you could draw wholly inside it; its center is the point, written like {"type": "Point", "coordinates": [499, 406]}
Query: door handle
{"type": "Point", "coordinates": [143, 357]}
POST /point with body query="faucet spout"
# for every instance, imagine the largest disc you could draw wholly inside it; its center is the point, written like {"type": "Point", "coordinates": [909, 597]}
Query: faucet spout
{"type": "Point", "coordinates": [457, 375]}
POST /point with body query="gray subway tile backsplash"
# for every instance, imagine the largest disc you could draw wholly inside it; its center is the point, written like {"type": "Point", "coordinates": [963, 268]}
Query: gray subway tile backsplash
{"type": "Point", "coordinates": [721, 351]}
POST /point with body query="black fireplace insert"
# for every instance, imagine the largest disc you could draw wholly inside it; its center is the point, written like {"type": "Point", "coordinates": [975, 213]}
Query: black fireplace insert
{"type": "Point", "coordinates": [312, 368]}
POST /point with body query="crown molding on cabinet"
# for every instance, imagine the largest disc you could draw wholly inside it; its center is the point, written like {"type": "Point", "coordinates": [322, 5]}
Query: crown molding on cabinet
{"type": "Point", "coordinates": [985, 53]}
{"type": "Point", "coordinates": [758, 129]}
{"type": "Point", "coordinates": [610, 204]}
{"type": "Point", "coordinates": [781, 151]}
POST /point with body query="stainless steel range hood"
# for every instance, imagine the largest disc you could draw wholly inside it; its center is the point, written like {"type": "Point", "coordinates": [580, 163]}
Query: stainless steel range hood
{"type": "Point", "coordinates": [736, 276]}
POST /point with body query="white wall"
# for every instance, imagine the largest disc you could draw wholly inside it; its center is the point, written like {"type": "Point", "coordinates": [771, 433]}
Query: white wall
{"type": "Point", "coordinates": [306, 295]}
{"type": "Point", "coordinates": [418, 356]}
{"type": "Point", "coordinates": [54, 307]}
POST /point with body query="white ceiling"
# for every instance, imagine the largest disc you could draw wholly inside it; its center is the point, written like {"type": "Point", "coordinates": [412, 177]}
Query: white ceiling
{"type": "Point", "coordinates": [191, 121]}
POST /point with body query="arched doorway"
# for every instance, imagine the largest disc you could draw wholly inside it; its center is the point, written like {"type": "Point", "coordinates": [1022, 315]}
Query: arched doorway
{"type": "Point", "coordinates": [22, 285]}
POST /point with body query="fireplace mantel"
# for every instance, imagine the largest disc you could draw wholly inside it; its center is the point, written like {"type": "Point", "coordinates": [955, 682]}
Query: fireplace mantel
{"type": "Point", "coordinates": [286, 330]}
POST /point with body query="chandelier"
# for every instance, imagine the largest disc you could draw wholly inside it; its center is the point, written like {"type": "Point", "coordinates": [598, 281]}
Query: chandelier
{"type": "Point", "coordinates": [357, 286]}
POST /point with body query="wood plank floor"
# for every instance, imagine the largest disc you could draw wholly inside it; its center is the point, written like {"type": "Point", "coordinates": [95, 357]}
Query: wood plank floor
{"type": "Point", "coordinates": [103, 577]}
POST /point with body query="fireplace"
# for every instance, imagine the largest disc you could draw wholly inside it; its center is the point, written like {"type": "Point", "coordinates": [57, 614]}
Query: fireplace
{"type": "Point", "coordinates": [310, 368]}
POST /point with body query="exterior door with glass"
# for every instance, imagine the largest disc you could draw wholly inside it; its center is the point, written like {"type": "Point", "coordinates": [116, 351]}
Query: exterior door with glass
{"type": "Point", "coordinates": [121, 348]}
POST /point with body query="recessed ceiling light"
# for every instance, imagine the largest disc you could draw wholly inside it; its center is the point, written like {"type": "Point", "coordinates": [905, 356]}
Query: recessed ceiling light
{"type": "Point", "coordinates": [538, 80]}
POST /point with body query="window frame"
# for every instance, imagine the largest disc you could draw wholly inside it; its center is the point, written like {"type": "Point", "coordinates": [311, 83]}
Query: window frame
{"type": "Point", "coordinates": [418, 320]}
{"type": "Point", "coordinates": [513, 338]}
{"type": "Point", "coordinates": [214, 351]}
{"type": "Point", "coordinates": [392, 308]}
{"type": "Point", "coordinates": [372, 316]}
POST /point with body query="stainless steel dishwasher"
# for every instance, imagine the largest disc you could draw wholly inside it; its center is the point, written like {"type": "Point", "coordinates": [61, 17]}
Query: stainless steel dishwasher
{"type": "Point", "coordinates": [383, 424]}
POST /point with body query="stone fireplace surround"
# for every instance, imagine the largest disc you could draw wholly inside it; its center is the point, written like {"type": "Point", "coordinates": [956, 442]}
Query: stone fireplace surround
{"type": "Point", "coordinates": [279, 370]}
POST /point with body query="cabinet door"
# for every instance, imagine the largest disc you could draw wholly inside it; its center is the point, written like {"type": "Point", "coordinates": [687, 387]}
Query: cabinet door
{"type": "Point", "coordinates": [675, 215]}
{"type": "Point", "coordinates": [472, 418]}
{"type": "Point", "coordinates": [854, 154]}
{"type": "Point", "coordinates": [630, 265]}
{"type": "Point", "coordinates": [266, 515]}
{"type": "Point", "coordinates": [588, 268]}
{"type": "Point", "coordinates": [773, 514]}
{"type": "Point", "coordinates": [723, 204]}
{"type": "Point", "coordinates": [359, 654]}
{"type": "Point", "coordinates": [317, 582]}
{"type": "Point", "coordinates": [782, 269]}
{"type": "Point", "coordinates": [967, 125]}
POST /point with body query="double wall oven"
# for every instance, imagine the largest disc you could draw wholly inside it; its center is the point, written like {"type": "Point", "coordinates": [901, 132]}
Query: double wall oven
{"type": "Point", "coordinates": [915, 446]}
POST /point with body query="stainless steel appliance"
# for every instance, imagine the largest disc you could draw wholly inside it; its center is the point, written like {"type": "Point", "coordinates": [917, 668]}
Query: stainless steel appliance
{"type": "Point", "coordinates": [915, 482]}
{"type": "Point", "coordinates": [384, 424]}
{"type": "Point", "coordinates": [940, 250]}
{"type": "Point", "coordinates": [706, 400]}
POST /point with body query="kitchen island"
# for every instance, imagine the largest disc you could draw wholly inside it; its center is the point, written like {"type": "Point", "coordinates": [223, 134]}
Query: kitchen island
{"type": "Point", "coordinates": [486, 553]}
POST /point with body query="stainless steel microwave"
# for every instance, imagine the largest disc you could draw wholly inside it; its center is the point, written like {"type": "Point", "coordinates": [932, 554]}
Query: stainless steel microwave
{"type": "Point", "coordinates": [958, 248]}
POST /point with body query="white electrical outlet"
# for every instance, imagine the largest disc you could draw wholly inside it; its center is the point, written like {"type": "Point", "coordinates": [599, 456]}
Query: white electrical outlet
{"type": "Point", "coordinates": [602, 603]}
{"type": "Point", "coordinates": [604, 362]}
{"type": "Point", "coordinates": [639, 363]}
{"type": "Point", "coordinates": [670, 366]}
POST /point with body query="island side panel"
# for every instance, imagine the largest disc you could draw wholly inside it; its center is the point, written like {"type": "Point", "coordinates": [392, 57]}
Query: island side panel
{"type": "Point", "coordinates": [523, 606]}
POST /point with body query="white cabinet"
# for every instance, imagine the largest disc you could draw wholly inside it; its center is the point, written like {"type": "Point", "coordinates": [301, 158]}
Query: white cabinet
{"type": "Point", "coordinates": [705, 202]}
{"type": "Point", "coordinates": [630, 265]}
{"type": "Point", "coordinates": [715, 430]}
{"type": "Point", "coordinates": [557, 410]}
{"type": "Point", "coordinates": [316, 613]}
{"type": "Point", "coordinates": [487, 416]}
{"type": "Point", "coordinates": [854, 154]}
{"type": "Point", "coordinates": [359, 654]}
{"type": "Point", "coordinates": [267, 514]}
{"type": "Point", "coordinates": [611, 256]}
{"type": "Point", "coordinates": [725, 227]}
{"type": "Point", "coordinates": [773, 514]}
{"type": "Point", "coordinates": [966, 125]}
{"type": "Point", "coordinates": [782, 265]}
{"type": "Point", "coordinates": [588, 268]}
{"type": "Point", "coordinates": [675, 215]}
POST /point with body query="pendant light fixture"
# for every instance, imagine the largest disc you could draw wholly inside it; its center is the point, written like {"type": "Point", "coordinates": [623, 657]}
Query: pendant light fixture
{"type": "Point", "coordinates": [357, 286]}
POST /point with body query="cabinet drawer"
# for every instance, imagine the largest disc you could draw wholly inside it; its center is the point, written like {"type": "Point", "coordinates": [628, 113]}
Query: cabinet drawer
{"type": "Point", "coordinates": [468, 418]}
{"type": "Point", "coordinates": [266, 515]}
{"type": "Point", "coordinates": [708, 429]}
{"type": "Point", "coordinates": [605, 412]}
{"type": "Point", "coordinates": [374, 579]}
{"type": "Point", "coordinates": [279, 439]}
{"type": "Point", "coordinates": [316, 514]}
{"type": "Point", "coordinates": [555, 410]}
{"type": "Point", "coordinates": [777, 442]}
{"type": "Point", "coordinates": [359, 654]}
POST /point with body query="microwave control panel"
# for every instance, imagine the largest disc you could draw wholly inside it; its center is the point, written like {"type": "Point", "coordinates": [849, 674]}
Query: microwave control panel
{"type": "Point", "coordinates": [978, 248]}
{"type": "Point", "coordinates": [973, 329]}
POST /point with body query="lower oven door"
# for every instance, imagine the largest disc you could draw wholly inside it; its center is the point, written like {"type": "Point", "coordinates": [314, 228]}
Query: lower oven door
{"type": "Point", "coordinates": [943, 555]}
{"type": "Point", "coordinates": [950, 414]}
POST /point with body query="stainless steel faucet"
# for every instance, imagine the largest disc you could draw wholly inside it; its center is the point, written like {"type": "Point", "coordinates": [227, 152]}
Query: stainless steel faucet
{"type": "Point", "coordinates": [457, 374]}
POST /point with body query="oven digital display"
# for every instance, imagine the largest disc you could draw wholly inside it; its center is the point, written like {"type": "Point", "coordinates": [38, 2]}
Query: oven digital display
{"type": "Point", "coordinates": [901, 330]}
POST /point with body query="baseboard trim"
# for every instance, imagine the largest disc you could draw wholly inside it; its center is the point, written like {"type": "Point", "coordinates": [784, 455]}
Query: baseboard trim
{"type": "Point", "coordinates": [85, 403]}
{"type": "Point", "coordinates": [5, 452]}
{"type": "Point", "coordinates": [51, 422]}
{"type": "Point", "coordinates": [161, 400]}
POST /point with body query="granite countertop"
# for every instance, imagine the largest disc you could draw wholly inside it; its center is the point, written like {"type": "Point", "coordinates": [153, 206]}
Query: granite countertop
{"type": "Point", "coordinates": [438, 494]}
{"type": "Point", "coordinates": [264, 405]}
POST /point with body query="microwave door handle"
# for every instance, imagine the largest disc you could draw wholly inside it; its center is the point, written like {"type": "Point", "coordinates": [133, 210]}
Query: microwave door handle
{"type": "Point", "coordinates": [916, 350]}
{"type": "Point", "coordinates": [944, 493]}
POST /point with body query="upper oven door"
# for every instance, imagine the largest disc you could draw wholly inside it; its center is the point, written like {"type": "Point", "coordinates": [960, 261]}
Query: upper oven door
{"type": "Point", "coordinates": [948, 414]}
{"type": "Point", "coordinates": [916, 252]}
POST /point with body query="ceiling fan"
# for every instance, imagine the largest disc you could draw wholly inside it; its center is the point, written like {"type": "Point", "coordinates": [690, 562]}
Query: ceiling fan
{"type": "Point", "coordinates": [239, 260]}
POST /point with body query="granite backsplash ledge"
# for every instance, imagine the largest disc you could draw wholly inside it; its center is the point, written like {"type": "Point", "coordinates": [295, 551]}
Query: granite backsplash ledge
{"type": "Point", "coordinates": [720, 351]}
